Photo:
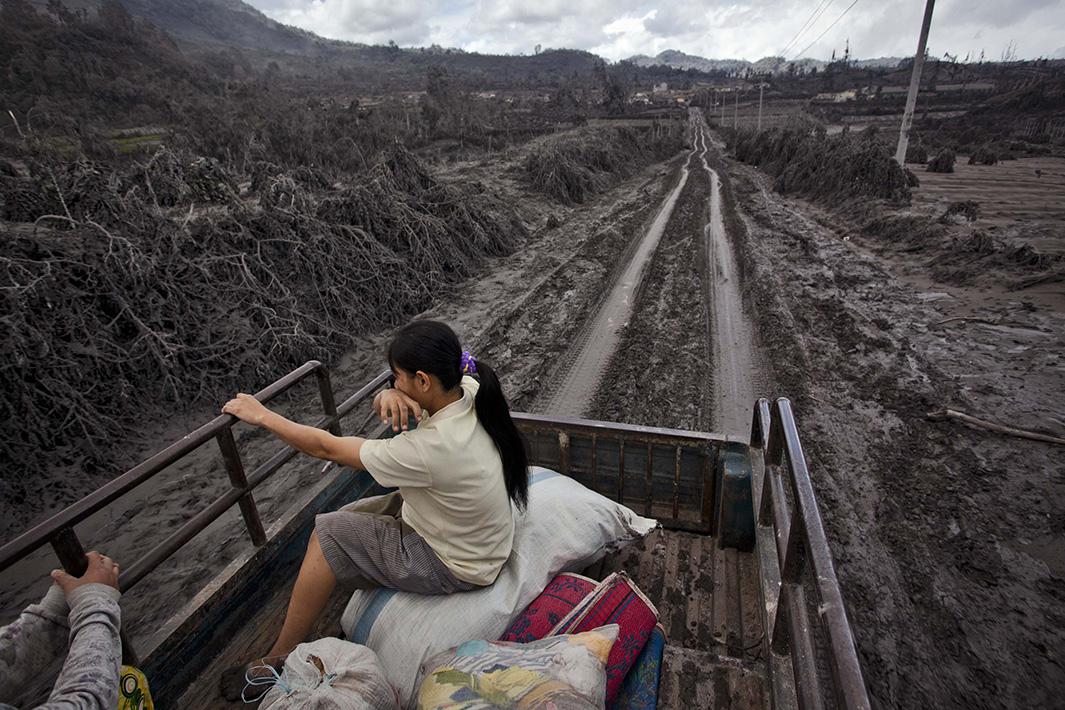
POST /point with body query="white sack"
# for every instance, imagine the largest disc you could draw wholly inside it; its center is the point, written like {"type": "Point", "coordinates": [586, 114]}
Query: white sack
{"type": "Point", "coordinates": [565, 528]}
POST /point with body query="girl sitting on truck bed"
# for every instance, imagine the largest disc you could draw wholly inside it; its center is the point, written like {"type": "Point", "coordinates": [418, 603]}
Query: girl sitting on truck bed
{"type": "Point", "coordinates": [449, 527]}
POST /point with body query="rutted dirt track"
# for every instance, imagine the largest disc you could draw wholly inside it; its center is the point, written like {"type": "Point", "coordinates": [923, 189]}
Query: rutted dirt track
{"type": "Point", "coordinates": [737, 365]}
{"type": "Point", "coordinates": [582, 368]}
{"type": "Point", "coordinates": [696, 273]}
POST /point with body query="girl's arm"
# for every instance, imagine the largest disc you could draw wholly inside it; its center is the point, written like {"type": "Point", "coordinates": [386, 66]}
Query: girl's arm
{"type": "Point", "coordinates": [313, 441]}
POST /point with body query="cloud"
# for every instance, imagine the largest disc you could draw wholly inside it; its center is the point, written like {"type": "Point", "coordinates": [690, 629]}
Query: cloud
{"type": "Point", "coordinates": [994, 13]}
{"type": "Point", "coordinates": [369, 21]}
{"type": "Point", "coordinates": [741, 29]}
{"type": "Point", "coordinates": [671, 21]}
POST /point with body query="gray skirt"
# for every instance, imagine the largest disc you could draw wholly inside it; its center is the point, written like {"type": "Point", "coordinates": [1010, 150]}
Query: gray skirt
{"type": "Point", "coordinates": [367, 545]}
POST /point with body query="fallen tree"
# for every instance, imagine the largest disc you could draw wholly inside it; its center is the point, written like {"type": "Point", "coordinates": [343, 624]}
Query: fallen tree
{"type": "Point", "coordinates": [812, 164]}
{"type": "Point", "coordinates": [572, 166]}
{"type": "Point", "coordinates": [111, 298]}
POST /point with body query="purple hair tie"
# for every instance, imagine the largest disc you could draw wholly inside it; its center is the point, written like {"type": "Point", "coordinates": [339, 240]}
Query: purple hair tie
{"type": "Point", "coordinates": [468, 364]}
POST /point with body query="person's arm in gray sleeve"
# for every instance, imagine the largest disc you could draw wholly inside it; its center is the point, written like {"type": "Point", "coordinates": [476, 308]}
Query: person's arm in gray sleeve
{"type": "Point", "coordinates": [32, 642]}
{"type": "Point", "coordinates": [90, 675]}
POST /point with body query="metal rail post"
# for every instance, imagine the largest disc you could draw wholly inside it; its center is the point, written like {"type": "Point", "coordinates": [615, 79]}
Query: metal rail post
{"type": "Point", "coordinates": [235, 468]}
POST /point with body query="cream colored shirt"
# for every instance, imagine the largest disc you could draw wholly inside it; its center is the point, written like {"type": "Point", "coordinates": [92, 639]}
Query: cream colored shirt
{"type": "Point", "coordinates": [451, 478]}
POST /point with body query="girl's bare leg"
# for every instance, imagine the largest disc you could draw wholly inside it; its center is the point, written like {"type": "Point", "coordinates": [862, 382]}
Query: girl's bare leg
{"type": "Point", "coordinates": [314, 585]}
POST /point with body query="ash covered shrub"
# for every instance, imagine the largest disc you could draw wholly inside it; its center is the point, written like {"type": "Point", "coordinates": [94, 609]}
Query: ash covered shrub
{"type": "Point", "coordinates": [967, 210]}
{"type": "Point", "coordinates": [23, 199]}
{"type": "Point", "coordinates": [914, 231]}
{"type": "Point", "coordinates": [572, 166]}
{"type": "Point", "coordinates": [1026, 255]}
{"type": "Point", "coordinates": [942, 163]}
{"type": "Point", "coordinates": [286, 194]}
{"type": "Point", "coordinates": [823, 167]}
{"type": "Point", "coordinates": [127, 300]}
{"type": "Point", "coordinates": [440, 231]}
{"type": "Point", "coordinates": [172, 179]}
{"type": "Point", "coordinates": [916, 154]}
{"type": "Point", "coordinates": [984, 155]}
{"type": "Point", "coordinates": [979, 242]}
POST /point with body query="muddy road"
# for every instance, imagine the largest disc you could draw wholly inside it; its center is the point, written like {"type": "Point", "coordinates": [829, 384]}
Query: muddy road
{"type": "Point", "coordinates": [689, 290]}
{"type": "Point", "coordinates": [580, 372]}
{"type": "Point", "coordinates": [949, 541]}
{"type": "Point", "coordinates": [738, 374]}
{"type": "Point", "coordinates": [726, 376]}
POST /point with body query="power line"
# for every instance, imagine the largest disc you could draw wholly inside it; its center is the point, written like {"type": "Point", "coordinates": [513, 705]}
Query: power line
{"type": "Point", "coordinates": [802, 29]}
{"type": "Point", "coordinates": [814, 16]}
{"type": "Point", "coordinates": [827, 29]}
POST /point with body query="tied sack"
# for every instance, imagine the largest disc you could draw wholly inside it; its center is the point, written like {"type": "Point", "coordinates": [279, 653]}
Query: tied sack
{"type": "Point", "coordinates": [331, 674]}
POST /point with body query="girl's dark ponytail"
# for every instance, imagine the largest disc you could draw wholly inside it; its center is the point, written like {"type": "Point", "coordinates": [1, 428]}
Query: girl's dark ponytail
{"type": "Point", "coordinates": [434, 348]}
{"type": "Point", "coordinates": [494, 415]}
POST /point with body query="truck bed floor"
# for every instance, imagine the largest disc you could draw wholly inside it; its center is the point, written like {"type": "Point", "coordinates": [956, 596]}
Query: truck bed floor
{"type": "Point", "coordinates": [708, 602]}
{"type": "Point", "coordinates": [707, 599]}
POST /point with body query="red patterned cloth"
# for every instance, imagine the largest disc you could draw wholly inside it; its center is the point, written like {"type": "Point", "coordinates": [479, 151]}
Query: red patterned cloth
{"type": "Point", "coordinates": [616, 600]}
{"type": "Point", "coordinates": [556, 601]}
{"type": "Point", "coordinates": [571, 604]}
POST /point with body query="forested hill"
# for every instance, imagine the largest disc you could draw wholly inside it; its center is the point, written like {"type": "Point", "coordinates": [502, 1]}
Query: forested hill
{"type": "Point", "coordinates": [226, 22]}
{"type": "Point", "coordinates": [229, 23]}
{"type": "Point", "coordinates": [138, 61]}
{"type": "Point", "coordinates": [69, 67]}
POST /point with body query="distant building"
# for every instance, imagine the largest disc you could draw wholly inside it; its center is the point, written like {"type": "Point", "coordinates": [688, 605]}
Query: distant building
{"type": "Point", "coordinates": [836, 97]}
{"type": "Point", "coordinates": [660, 88]}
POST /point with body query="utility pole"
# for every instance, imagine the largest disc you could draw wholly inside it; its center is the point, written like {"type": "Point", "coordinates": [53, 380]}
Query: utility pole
{"type": "Point", "coordinates": [761, 87]}
{"type": "Point", "coordinates": [722, 111]}
{"type": "Point", "coordinates": [915, 82]}
{"type": "Point", "coordinates": [736, 113]}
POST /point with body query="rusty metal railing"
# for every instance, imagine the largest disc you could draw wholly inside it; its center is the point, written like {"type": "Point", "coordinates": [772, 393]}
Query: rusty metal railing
{"type": "Point", "coordinates": [58, 531]}
{"type": "Point", "coordinates": [800, 540]}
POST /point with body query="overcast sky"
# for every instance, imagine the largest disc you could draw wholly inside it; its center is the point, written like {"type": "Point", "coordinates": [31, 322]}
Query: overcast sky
{"type": "Point", "coordinates": [616, 29]}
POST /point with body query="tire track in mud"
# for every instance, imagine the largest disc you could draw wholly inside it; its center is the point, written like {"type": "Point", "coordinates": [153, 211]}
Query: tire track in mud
{"type": "Point", "coordinates": [583, 367]}
{"type": "Point", "coordinates": [736, 372]}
